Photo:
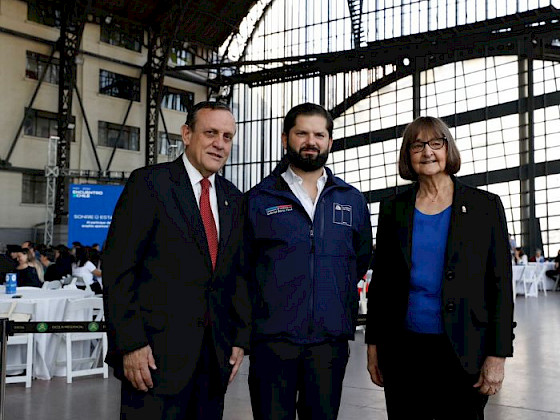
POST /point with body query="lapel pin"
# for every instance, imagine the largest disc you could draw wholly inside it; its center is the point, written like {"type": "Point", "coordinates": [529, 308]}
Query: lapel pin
{"type": "Point", "coordinates": [226, 203]}
{"type": "Point", "coordinates": [463, 209]}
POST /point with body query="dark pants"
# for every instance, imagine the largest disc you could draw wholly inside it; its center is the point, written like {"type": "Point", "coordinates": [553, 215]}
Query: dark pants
{"type": "Point", "coordinates": [285, 377]}
{"type": "Point", "coordinates": [424, 380]}
{"type": "Point", "coordinates": [201, 399]}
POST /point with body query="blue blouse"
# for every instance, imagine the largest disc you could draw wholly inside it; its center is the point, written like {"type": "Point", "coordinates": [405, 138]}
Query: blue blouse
{"type": "Point", "coordinates": [429, 240]}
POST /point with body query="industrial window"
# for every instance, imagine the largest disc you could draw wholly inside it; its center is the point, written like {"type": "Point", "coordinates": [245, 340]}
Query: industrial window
{"type": "Point", "coordinates": [181, 56]}
{"type": "Point", "coordinates": [126, 36]}
{"type": "Point", "coordinates": [44, 13]}
{"type": "Point", "coordinates": [43, 124]}
{"type": "Point", "coordinates": [119, 85]}
{"type": "Point", "coordinates": [36, 65]}
{"type": "Point", "coordinates": [179, 100]}
{"type": "Point", "coordinates": [109, 136]}
{"type": "Point", "coordinates": [33, 189]}
{"type": "Point", "coordinates": [170, 144]}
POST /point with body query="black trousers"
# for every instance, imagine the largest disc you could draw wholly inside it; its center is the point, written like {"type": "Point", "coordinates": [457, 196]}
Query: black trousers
{"type": "Point", "coordinates": [285, 377]}
{"type": "Point", "coordinates": [424, 380]}
{"type": "Point", "coordinates": [201, 399]}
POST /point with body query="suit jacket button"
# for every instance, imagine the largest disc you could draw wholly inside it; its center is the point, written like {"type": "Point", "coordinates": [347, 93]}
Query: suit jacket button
{"type": "Point", "coordinates": [450, 275]}
{"type": "Point", "coordinates": [450, 307]}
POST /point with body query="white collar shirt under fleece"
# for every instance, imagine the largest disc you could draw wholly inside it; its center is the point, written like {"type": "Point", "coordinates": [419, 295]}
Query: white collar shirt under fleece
{"type": "Point", "coordinates": [195, 177]}
{"type": "Point", "coordinates": [295, 182]}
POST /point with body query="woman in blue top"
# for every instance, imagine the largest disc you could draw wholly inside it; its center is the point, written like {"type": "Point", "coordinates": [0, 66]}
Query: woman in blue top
{"type": "Point", "coordinates": [440, 307]}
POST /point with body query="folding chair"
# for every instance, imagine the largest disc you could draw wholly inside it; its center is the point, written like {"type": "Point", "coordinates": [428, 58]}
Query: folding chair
{"type": "Point", "coordinates": [540, 276]}
{"type": "Point", "coordinates": [78, 281]}
{"type": "Point", "coordinates": [20, 312]}
{"type": "Point", "coordinates": [52, 285]}
{"type": "Point", "coordinates": [530, 282]}
{"type": "Point", "coordinates": [96, 351]}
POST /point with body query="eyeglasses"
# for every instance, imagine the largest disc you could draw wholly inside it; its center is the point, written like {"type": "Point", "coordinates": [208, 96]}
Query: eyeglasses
{"type": "Point", "coordinates": [435, 144]}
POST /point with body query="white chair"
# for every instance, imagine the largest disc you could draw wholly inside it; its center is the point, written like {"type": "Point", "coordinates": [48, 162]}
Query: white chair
{"type": "Point", "coordinates": [52, 285]}
{"type": "Point", "coordinates": [78, 281]}
{"type": "Point", "coordinates": [540, 276]}
{"type": "Point", "coordinates": [97, 348]}
{"type": "Point", "coordinates": [530, 282]}
{"type": "Point", "coordinates": [20, 312]}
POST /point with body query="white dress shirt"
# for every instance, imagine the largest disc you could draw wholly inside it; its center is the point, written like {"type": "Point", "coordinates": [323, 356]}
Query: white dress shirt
{"type": "Point", "coordinates": [295, 182]}
{"type": "Point", "coordinates": [195, 178]}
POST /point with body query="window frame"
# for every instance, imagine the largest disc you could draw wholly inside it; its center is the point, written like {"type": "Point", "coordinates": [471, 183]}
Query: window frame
{"type": "Point", "coordinates": [36, 191]}
{"type": "Point", "coordinates": [121, 86]}
{"type": "Point", "coordinates": [103, 138]}
{"type": "Point", "coordinates": [52, 74]}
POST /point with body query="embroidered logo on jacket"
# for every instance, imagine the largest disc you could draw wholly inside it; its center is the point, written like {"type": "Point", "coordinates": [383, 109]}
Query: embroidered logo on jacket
{"type": "Point", "coordinates": [342, 214]}
{"type": "Point", "coordinates": [278, 209]}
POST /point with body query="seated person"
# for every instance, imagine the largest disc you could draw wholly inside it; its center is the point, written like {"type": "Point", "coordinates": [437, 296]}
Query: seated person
{"type": "Point", "coordinates": [7, 265]}
{"type": "Point", "coordinates": [46, 255]}
{"type": "Point", "coordinates": [84, 268]}
{"type": "Point", "coordinates": [63, 260]}
{"type": "Point", "coordinates": [538, 257]}
{"type": "Point", "coordinates": [519, 257]}
{"type": "Point", "coordinates": [553, 273]}
{"type": "Point", "coordinates": [26, 274]}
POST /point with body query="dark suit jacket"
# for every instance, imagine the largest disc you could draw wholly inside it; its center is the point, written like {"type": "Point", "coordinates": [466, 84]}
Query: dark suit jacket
{"type": "Point", "coordinates": [158, 279]}
{"type": "Point", "coordinates": [477, 300]}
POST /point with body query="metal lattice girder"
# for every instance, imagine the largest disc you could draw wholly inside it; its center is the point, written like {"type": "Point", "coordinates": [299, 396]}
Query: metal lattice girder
{"type": "Point", "coordinates": [355, 7]}
{"type": "Point", "coordinates": [51, 173]}
{"type": "Point", "coordinates": [490, 36]}
{"type": "Point", "coordinates": [159, 44]}
{"type": "Point", "coordinates": [71, 30]}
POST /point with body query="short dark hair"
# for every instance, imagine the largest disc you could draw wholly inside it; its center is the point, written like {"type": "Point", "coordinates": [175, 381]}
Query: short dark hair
{"type": "Point", "coordinates": [47, 251]}
{"type": "Point", "coordinates": [191, 115]}
{"type": "Point", "coordinates": [307, 109]}
{"type": "Point", "coordinates": [440, 129]}
{"type": "Point", "coordinates": [30, 244]}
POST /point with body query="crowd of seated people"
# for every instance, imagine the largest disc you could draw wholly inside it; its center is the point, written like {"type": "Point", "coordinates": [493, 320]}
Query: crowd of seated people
{"type": "Point", "coordinates": [34, 265]}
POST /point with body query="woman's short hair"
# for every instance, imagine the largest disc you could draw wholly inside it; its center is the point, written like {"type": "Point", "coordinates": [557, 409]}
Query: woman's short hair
{"type": "Point", "coordinates": [440, 129]}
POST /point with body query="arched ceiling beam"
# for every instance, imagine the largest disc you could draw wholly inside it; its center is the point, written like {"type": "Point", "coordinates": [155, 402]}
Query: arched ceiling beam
{"type": "Point", "coordinates": [463, 40]}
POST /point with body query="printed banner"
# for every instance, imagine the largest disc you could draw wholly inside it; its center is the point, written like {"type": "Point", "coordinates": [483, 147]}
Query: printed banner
{"type": "Point", "coordinates": [90, 210]}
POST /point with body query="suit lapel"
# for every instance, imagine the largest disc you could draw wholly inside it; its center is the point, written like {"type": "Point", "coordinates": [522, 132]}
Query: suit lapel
{"type": "Point", "coordinates": [183, 195]}
{"type": "Point", "coordinates": [226, 216]}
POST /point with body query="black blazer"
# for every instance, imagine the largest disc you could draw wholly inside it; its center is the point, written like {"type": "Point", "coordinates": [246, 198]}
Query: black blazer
{"type": "Point", "coordinates": [477, 299]}
{"type": "Point", "coordinates": [158, 279]}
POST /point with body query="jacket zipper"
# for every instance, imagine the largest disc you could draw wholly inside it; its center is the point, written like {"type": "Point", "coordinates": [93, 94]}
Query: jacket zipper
{"type": "Point", "coordinates": [312, 273]}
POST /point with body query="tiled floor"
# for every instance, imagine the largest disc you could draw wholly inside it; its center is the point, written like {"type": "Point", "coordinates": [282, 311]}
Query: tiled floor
{"type": "Point", "coordinates": [531, 390]}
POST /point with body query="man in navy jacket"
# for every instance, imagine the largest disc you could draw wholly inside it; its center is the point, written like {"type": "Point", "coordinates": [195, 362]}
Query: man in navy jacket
{"type": "Point", "coordinates": [308, 237]}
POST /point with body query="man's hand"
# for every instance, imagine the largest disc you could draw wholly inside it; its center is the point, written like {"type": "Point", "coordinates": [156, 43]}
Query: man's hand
{"type": "Point", "coordinates": [491, 375]}
{"type": "Point", "coordinates": [235, 359]}
{"type": "Point", "coordinates": [137, 366]}
{"type": "Point", "coordinates": [373, 365]}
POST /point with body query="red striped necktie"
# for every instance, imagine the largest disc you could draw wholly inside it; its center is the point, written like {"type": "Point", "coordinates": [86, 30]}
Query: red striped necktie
{"type": "Point", "coordinates": [208, 220]}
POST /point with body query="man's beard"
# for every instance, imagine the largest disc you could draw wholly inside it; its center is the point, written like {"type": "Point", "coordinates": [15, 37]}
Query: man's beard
{"type": "Point", "coordinates": [307, 164]}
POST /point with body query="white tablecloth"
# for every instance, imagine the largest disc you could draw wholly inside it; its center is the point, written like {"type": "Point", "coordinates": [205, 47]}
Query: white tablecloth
{"type": "Point", "coordinates": [49, 306]}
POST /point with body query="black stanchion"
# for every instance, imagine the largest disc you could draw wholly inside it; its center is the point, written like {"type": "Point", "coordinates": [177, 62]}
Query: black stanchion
{"type": "Point", "coordinates": [3, 345]}
{"type": "Point", "coordinates": [10, 328]}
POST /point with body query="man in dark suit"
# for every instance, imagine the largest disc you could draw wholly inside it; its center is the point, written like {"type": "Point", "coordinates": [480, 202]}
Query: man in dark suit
{"type": "Point", "coordinates": [175, 302]}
